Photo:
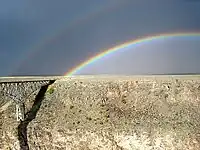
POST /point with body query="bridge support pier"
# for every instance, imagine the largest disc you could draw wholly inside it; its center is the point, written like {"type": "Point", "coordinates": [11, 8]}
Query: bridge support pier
{"type": "Point", "coordinates": [20, 91]}
{"type": "Point", "coordinates": [20, 111]}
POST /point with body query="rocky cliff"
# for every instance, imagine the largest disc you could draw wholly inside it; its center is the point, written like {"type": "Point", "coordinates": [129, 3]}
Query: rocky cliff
{"type": "Point", "coordinates": [106, 112]}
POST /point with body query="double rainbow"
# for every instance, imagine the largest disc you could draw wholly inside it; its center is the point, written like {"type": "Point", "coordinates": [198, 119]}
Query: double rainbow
{"type": "Point", "coordinates": [129, 44]}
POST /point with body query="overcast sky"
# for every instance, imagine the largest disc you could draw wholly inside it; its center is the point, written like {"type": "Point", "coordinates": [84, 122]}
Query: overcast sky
{"type": "Point", "coordinates": [48, 37]}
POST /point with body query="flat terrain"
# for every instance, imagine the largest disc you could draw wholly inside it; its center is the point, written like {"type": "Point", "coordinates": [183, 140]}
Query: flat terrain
{"type": "Point", "coordinates": [106, 112]}
{"type": "Point", "coordinates": [28, 78]}
{"type": "Point", "coordinates": [110, 77]}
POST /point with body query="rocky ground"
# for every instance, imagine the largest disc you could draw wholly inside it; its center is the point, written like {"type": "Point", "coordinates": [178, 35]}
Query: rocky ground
{"type": "Point", "coordinates": [107, 113]}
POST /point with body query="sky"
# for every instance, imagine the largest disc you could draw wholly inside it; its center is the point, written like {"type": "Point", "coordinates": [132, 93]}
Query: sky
{"type": "Point", "coordinates": [48, 37]}
{"type": "Point", "coordinates": [171, 55]}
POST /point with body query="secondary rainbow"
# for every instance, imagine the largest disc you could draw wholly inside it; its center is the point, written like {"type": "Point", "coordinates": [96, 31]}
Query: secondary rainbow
{"type": "Point", "coordinates": [128, 44]}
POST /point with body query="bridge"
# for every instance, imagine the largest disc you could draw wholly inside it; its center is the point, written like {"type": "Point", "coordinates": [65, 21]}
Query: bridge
{"type": "Point", "coordinates": [100, 112]}
{"type": "Point", "coordinates": [18, 89]}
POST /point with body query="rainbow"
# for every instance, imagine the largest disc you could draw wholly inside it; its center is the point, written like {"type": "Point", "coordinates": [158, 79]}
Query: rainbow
{"type": "Point", "coordinates": [129, 44]}
{"type": "Point", "coordinates": [68, 26]}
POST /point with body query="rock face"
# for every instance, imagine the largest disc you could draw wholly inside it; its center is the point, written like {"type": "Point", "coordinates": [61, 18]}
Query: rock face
{"type": "Point", "coordinates": [107, 113]}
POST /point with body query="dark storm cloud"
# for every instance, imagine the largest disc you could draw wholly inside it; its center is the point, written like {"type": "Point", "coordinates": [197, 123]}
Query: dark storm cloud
{"type": "Point", "coordinates": [40, 19]}
{"type": "Point", "coordinates": [24, 24]}
{"type": "Point", "coordinates": [192, 1]}
{"type": "Point", "coordinates": [13, 40]}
